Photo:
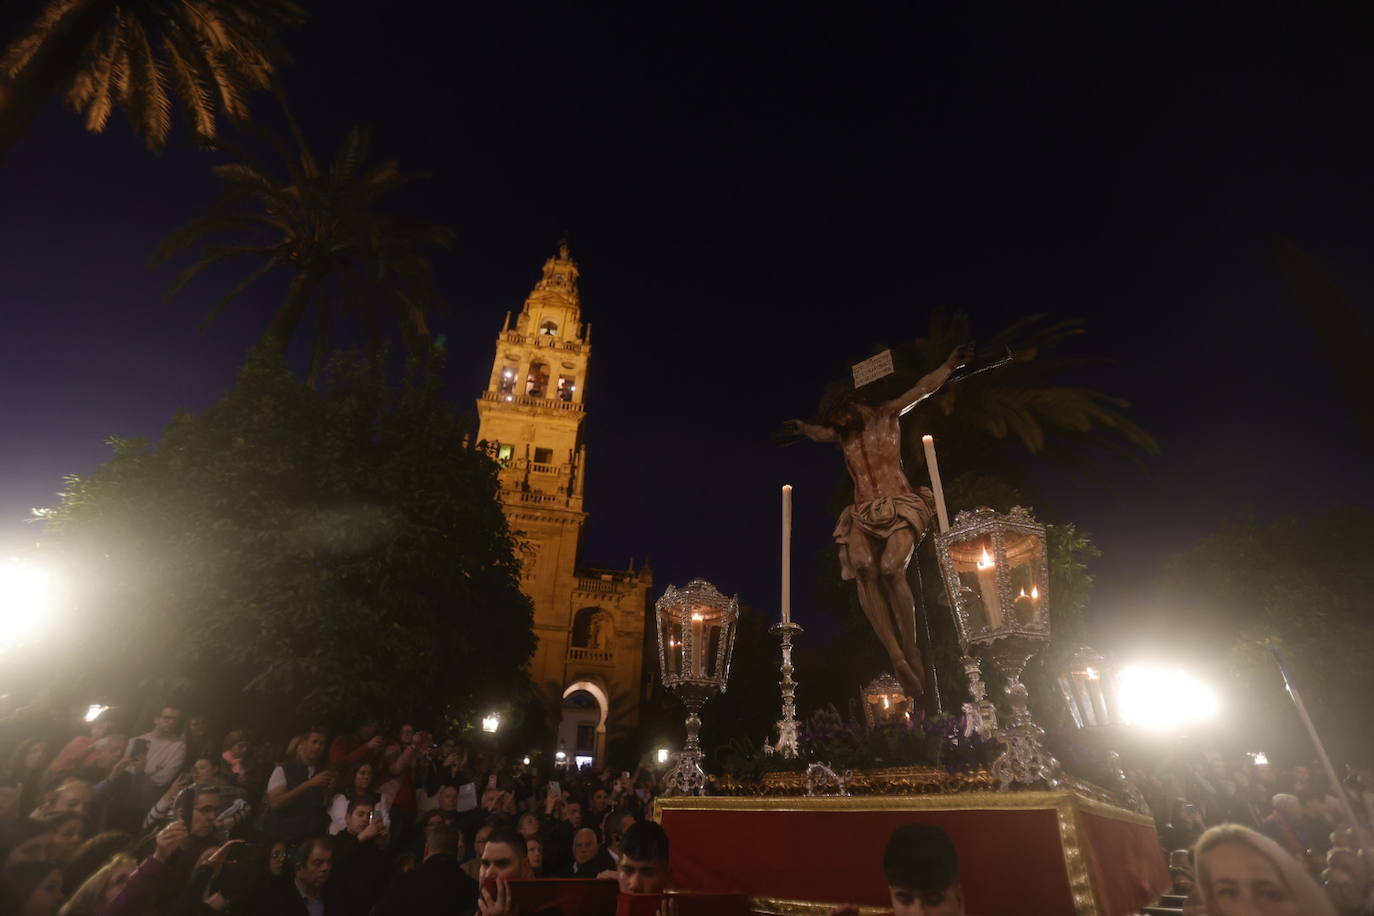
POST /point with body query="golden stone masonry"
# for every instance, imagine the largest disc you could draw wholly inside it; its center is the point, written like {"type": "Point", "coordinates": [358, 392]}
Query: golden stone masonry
{"type": "Point", "coordinates": [590, 622]}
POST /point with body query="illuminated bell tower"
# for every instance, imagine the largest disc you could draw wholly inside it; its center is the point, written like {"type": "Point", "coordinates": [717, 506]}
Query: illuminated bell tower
{"type": "Point", "coordinates": [589, 622]}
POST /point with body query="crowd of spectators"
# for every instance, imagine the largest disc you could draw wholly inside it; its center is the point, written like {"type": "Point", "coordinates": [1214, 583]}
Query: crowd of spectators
{"type": "Point", "coordinates": [1296, 807]}
{"type": "Point", "coordinates": [179, 819]}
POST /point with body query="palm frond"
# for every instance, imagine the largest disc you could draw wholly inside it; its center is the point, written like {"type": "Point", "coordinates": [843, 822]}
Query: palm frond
{"type": "Point", "coordinates": [22, 50]}
{"type": "Point", "coordinates": [155, 121]}
{"type": "Point", "coordinates": [194, 94]}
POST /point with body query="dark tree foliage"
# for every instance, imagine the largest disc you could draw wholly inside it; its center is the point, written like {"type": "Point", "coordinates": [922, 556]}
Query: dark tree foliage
{"type": "Point", "coordinates": [308, 554]}
{"type": "Point", "coordinates": [1302, 584]}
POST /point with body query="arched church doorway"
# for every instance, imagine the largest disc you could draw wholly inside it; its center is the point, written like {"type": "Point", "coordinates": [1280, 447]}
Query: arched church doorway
{"type": "Point", "coordinates": [582, 727]}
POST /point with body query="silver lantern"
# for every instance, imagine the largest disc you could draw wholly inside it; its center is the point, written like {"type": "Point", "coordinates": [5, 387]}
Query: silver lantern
{"type": "Point", "coordinates": [996, 571]}
{"type": "Point", "coordinates": [696, 637]}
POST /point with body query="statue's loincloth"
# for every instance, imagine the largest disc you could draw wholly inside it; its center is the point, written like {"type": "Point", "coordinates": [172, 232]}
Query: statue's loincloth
{"type": "Point", "coordinates": [882, 516]}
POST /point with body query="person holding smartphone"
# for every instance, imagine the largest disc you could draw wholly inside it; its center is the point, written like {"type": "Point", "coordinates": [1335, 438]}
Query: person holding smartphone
{"type": "Point", "coordinates": [360, 862]}
{"type": "Point", "coordinates": [297, 792]}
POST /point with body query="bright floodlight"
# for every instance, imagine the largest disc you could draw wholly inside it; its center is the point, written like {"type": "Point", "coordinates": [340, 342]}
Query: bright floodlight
{"type": "Point", "coordinates": [526, 760]}
{"type": "Point", "coordinates": [28, 598]}
{"type": "Point", "coordinates": [491, 722]}
{"type": "Point", "coordinates": [663, 755]}
{"type": "Point", "coordinates": [93, 711]}
{"type": "Point", "coordinates": [1163, 698]}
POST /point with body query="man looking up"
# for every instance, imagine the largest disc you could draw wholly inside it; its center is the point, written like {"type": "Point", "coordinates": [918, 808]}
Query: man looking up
{"type": "Point", "coordinates": [297, 794]}
{"type": "Point", "coordinates": [922, 874]}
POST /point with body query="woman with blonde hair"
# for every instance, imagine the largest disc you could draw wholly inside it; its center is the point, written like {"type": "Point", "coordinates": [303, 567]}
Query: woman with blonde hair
{"type": "Point", "coordinates": [101, 888]}
{"type": "Point", "coordinates": [1244, 873]}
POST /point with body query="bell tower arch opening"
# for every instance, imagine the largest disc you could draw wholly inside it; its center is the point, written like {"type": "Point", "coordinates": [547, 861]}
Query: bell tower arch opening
{"type": "Point", "coordinates": [582, 728]}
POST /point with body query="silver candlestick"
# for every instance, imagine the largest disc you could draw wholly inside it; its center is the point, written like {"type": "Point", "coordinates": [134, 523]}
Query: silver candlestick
{"type": "Point", "coordinates": [788, 744]}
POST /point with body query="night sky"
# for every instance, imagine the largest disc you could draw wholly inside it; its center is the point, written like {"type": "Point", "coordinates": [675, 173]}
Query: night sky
{"type": "Point", "coordinates": [756, 195]}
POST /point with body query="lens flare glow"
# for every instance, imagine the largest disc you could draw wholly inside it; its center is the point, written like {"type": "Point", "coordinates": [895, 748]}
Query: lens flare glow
{"type": "Point", "coordinates": [28, 600]}
{"type": "Point", "coordinates": [1163, 698]}
{"type": "Point", "coordinates": [93, 711]}
{"type": "Point", "coordinates": [663, 755]}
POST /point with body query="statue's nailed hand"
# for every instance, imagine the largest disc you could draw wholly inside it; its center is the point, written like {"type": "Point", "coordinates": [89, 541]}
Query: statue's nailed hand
{"type": "Point", "coordinates": [960, 356]}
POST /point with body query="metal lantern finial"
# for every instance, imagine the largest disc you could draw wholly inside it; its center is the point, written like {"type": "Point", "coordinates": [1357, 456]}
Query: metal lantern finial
{"type": "Point", "coordinates": [996, 571]}
{"type": "Point", "coordinates": [696, 639]}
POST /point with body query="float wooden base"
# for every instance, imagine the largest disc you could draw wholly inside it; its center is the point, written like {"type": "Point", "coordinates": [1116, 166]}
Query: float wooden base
{"type": "Point", "coordinates": [1057, 853]}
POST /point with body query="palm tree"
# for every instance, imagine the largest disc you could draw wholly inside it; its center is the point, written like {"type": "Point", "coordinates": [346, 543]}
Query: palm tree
{"type": "Point", "coordinates": [1024, 400]}
{"type": "Point", "coordinates": [135, 54]}
{"type": "Point", "coordinates": [321, 226]}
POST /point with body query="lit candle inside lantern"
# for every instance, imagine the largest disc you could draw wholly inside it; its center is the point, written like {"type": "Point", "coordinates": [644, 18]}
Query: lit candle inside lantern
{"type": "Point", "coordinates": [987, 588]}
{"type": "Point", "coordinates": [787, 553]}
{"type": "Point", "coordinates": [1027, 605]}
{"type": "Point", "coordinates": [698, 650]}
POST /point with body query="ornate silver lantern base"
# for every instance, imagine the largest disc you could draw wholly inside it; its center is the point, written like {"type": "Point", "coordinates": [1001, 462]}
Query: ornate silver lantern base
{"type": "Point", "coordinates": [980, 715]}
{"type": "Point", "coordinates": [788, 727]}
{"type": "Point", "coordinates": [687, 777]}
{"type": "Point", "coordinates": [1024, 760]}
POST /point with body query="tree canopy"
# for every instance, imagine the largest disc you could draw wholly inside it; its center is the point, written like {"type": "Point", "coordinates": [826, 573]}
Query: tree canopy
{"type": "Point", "coordinates": [323, 552]}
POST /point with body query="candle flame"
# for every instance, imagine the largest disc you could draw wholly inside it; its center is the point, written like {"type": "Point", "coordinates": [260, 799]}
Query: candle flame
{"type": "Point", "coordinates": [886, 702]}
{"type": "Point", "coordinates": [1035, 593]}
{"type": "Point", "coordinates": [1091, 674]}
{"type": "Point", "coordinates": [985, 562]}
{"type": "Point", "coordinates": [696, 616]}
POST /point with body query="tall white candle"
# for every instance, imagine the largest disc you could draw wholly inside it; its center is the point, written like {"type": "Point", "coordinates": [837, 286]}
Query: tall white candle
{"type": "Point", "coordinates": [934, 466]}
{"type": "Point", "coordinates": [787, 553]}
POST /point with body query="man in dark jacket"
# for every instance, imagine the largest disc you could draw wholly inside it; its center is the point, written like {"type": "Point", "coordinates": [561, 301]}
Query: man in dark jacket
{"type": "Point", "coordinates": [297, 792]}
{"type": "Point", "coordinates": [589, 859]}
{"type": "Point", "coordinates": [303, 896]}
{"type": "Point", "coordinates": [438, 887]}
{"type": "Point", "coordinates": [361, 863]}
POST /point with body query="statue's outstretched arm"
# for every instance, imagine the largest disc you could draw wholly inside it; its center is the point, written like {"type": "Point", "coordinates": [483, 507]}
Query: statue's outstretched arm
{"type": "Point", "coordinates": [810, 431]}
{"type": "Point", "coordinates": [931, 381]}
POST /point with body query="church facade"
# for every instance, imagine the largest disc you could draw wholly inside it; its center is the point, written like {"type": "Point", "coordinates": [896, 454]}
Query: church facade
{"type": "Point", "coordinates": [590, 622]}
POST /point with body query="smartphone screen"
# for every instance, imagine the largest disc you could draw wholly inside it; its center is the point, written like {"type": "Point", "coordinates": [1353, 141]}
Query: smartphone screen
{"type": "Point", "coordinates": [491, 781]}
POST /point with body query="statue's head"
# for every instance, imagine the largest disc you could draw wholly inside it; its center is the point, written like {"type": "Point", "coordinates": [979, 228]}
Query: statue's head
{"type": "Point", "coordinates": [837, 407]}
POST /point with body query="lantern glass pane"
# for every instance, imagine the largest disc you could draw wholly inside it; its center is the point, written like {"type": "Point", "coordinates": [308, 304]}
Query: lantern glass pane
{"type": "Point", "coordinates": [713, 650]}
{"type": "Point", "coordinates": [1028, 593]}
{"type": "Point", "coordinates": [976, 565]}
{"type": "Point", "coordinates": [673, 649]}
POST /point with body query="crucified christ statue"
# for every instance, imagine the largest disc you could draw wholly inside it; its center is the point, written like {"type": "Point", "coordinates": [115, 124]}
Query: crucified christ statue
{"type": "Point", "coordinates": [878, 534]}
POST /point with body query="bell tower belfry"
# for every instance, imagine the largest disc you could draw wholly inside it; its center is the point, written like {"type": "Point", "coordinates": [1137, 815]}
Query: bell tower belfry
{"type": "Point", "coordinates": [589, 622]}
